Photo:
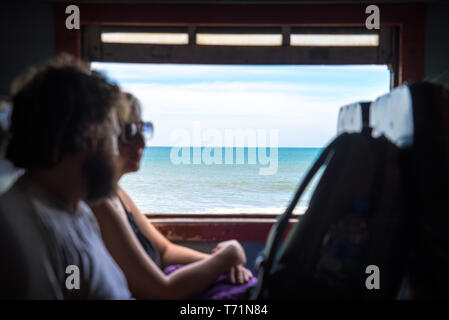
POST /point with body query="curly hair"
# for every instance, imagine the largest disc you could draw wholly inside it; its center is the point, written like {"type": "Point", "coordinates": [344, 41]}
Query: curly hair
{"type": "Point", "coordinates": [53, 107]}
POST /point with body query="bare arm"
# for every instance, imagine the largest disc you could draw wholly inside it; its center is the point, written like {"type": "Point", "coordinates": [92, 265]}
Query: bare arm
{"type": "Point", "coordinates": [145, 279]}
{"type": "Point", "coordinates": [170, 253]}
{"type": "Point", "coordinates": [175, 254]}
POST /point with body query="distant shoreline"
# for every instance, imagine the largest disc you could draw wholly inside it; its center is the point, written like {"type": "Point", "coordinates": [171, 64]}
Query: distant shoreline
{"type": "Point", "coordinates": [151, 146]}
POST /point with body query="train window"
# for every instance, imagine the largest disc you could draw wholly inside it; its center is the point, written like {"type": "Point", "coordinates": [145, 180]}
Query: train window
{"type": "Point", "coordinates": [341, 37]}
{"type": "Point", "coordinates": [334, 40]}
{"type": "Point", "coordinates": [238, 39]}
{"type": "Point", "coordinates": [235, 139]}
{"type": "Point", "coordinates": [145, 37]}
{"type": "Point", "coordinates": [239, 112]}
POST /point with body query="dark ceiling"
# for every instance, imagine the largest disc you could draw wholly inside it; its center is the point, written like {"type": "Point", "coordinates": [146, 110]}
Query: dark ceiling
{"type": "Point", "coordinates": [244, 1]}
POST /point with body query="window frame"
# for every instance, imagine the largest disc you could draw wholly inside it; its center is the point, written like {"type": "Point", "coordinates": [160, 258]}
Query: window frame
{"type": "Point", "coordinates": [285, 54]}
{"type": "Point", "coordinates": [409, 20]}
{"type": "Point", "coordinates": [406, 64]}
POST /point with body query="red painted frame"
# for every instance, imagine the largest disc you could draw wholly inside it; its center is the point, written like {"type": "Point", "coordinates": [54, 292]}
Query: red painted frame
{"type": "Point", "coordinates": [409, 18]}
{"type": "Point", "coordinates": [210, 230]}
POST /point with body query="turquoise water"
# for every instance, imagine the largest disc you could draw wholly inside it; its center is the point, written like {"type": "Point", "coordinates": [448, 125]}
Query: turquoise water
{"type": "Point", "coordinates": [161, 186]}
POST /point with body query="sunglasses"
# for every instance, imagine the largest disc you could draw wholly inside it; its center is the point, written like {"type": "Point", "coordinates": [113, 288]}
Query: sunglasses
{"type": "Point", "coordinates": [131, 130]}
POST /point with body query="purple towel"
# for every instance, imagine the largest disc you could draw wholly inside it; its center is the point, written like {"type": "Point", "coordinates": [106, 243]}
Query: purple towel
{"type": "Point", "coordinates": [222, 288]}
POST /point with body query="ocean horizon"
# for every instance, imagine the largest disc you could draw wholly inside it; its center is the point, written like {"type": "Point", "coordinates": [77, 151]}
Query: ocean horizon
{"type": "Point", "coordinates": [194, 180]}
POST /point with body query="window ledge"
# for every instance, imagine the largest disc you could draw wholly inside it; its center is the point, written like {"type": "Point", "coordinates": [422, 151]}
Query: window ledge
{"type": "Point", "coordinates": [216, 227]}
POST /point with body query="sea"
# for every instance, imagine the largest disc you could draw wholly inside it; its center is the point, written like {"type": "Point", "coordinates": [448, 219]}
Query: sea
{"type": "Point", "coordinates": [163, 184]}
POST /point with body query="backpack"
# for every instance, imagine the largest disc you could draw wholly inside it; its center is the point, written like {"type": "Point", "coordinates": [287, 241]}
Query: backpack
{"type": "Point", "coordinates": [353, 240]}
{"type": "Point", "coordinates": [426, 182]}
{"type": "Point", "coordinates": [376, 208]}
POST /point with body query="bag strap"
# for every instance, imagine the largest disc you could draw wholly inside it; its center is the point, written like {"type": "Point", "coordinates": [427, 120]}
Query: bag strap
{"type": "Point", "coordinates": [278, 229]}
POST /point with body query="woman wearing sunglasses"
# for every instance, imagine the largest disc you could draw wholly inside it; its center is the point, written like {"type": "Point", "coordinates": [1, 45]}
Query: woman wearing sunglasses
{"type": "Point", "coordinates": [143, 252]}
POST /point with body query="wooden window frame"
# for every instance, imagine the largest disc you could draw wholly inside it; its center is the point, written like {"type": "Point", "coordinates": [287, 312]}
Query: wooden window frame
{"type": "Point", "coordinates": [408, 66]}
{"type": "Point", "coordinates": [409, 19]}
{"type": "Point", "coordinates": [95, 50]}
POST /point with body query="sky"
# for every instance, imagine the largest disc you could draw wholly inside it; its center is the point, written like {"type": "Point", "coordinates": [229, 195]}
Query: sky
{"type": "Point", "coordinates": [300, 103]}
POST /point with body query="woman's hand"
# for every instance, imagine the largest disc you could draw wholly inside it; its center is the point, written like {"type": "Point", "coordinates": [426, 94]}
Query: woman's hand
{"type": "Point", "coordinates": [239, 274]}
{"type": "Point", "coordinates": [232, 250]}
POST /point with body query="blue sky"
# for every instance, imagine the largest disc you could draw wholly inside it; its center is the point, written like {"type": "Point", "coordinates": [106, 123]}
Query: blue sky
{"type": "Point", "coordinates": [301, 102]}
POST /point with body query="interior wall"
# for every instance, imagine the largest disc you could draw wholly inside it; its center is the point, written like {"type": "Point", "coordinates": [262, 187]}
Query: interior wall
{"type": "Point", "coordinates": [26, 37]}
{"type": "Point", "coordinates": [436, 64]}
